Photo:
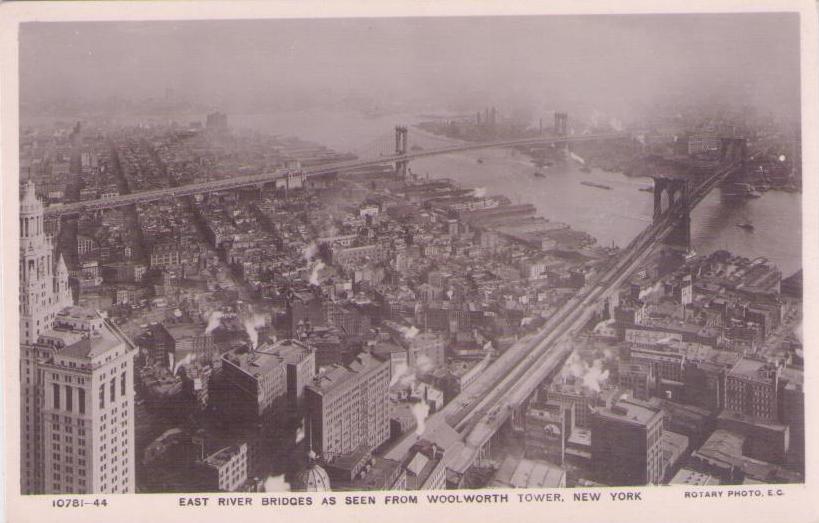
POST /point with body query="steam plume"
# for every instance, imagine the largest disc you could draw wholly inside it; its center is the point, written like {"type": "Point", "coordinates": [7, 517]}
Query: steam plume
{"type": "Point", "coordinates": [410, 332]}
{"type": "Point", "coordinates": [420, 411]}
{"type": "Point", "coordinates": [400, 370]}
{"type": "Point", "coordinates": [423, 363]}
{"type": "Point", "coordinates": [310, 252]}
{"type": "Point", "coordinates": [591, 376]}
{"type": "Point", "coordinates": [276, 484]}
{"type": "Point", "coordinates": [214, 320]}
{"type": "Point", "coordinates": [645, 293]}
{"type": "Point", "coordinates": [314, 274]}
{"type": "Point", "coordinates": [252, 323]}
{"type": "Point", "coordinates": [187, 360]}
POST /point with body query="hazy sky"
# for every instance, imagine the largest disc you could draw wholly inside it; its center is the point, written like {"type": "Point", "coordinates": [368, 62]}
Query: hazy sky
{"type": "Point", "coordinates": [610, 61]}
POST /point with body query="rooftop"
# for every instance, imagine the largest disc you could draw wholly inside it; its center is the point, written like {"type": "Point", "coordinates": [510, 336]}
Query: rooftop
{"type": "Point", "coordinates": [340, 374]}
{"type": "Point", "coordinates": [527, 473]}
{"type": "Point", "coordinates": [687, 476]}
{"type": "Point", "coordinates": [632, 411]}
{"type": "Point", "coordinates": [223, 456]}
{"type": "Point", "coordinates": [751, 368]}
{"type": "Point", "coordinates": [267, 357]}
{"type": "Point", "coordinates": [94, 346]}
{"type": "Point", "coordinates": [76, 311]}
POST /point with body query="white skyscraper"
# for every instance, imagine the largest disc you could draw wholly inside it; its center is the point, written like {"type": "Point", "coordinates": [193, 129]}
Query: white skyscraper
{"type": "Point", "coordinates": [44, 286]}
{"type": "Point", "coordinates": [76, 379]}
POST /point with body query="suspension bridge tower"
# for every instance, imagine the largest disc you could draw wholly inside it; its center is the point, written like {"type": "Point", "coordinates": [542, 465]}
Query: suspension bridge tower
{"type": "Point", "coordinates": [401, 150]}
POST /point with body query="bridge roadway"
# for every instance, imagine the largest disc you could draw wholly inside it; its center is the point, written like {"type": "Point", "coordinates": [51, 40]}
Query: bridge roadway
{"type": "Point", "coordinates": [236, 182]}
{"type": "Point", "coordinates": [468, 422]}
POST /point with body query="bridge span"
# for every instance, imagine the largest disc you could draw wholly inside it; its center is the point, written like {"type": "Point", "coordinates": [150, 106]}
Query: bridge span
{"type": "Point", "coordinates": [400, 159]}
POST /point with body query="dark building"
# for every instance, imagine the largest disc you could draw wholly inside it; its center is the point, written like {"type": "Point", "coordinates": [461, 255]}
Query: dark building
{"type": "Point", "coordinates": [627, 443]}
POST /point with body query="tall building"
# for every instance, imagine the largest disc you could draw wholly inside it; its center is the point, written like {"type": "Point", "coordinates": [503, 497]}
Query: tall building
{"type": "Point", "coordinates": [88, 416]}
{"type": "Point", "coordinates": [627, 444]}
{"type": "Point", "coordinates": [751, 388]}
{"type": "Point", "coordinates": [347, 407]}
{"type": "Point", "coordinates": [44, 288]}
{"type": "Point", "coordinates": [273, 375]}
{"type": "Point", "coordinates": [76, 379]}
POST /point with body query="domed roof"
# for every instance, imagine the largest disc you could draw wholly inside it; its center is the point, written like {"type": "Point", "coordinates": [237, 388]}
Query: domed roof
{"type": "Point", "coordinates": [312, 479]}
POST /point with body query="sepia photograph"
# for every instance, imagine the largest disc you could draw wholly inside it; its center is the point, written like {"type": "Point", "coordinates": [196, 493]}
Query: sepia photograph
{"type": "Point", "coordinates": [548, 252]}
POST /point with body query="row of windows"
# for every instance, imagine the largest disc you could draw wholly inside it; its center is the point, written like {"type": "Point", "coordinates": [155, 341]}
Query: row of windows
{"type": "Point", "coordinates": [113, 389]}
{"type": "Point", "coordinates": [69, 398]}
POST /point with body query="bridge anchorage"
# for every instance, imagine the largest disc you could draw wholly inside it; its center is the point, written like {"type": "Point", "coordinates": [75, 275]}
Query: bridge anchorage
{"type": "Point", "coordinates": [401, 150]}
{"type": "Point", "coordinates": [671, 196]}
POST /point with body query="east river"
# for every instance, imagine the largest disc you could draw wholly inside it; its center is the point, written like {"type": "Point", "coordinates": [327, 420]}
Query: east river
{"type": "Point", "coordinates": [612, 215]}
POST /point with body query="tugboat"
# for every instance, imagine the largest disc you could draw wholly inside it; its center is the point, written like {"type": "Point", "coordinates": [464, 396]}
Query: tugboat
{"type": "Point", "coordinates": [746, 225]}
{"type": "Point", "coordinates": [539, 174]}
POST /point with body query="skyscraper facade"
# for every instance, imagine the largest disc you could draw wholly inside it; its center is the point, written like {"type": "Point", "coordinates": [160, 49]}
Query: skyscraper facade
{"type": "Point", "coordinates": [76, 379]}
{"type": "Point", "coordinates": [347, 407]}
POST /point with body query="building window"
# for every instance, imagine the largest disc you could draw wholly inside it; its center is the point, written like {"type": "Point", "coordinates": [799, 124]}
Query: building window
{"type": "Point", "coordinates": [69, 398]}
{"type": "Point", "coordinates": [102, 396]}
{"type": "Point", "coordinates": [81, 400]}
{"type": "Point", "coordinates": [113, 390]}
{"type": "Point", "coordinates": [122, 384]}
{"type": "Point", "coordinates": [56, 389]}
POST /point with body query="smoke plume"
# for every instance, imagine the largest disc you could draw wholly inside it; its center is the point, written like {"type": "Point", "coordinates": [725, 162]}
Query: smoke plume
{"type": "Point", "coordinates": [276, 484]}
{"type": "Point", "coordinates": [400, 370]}
{"type": "Point", "coordinates": [187, 360]}
{"type": "Point", "coordinates": [423, 363]}
{"type": "Point", "coordinates": [300, 433]}
{"type": "Point", "coordinates": [310, 252]}
{"type": "Point", "coordinates": [646, 293]}
{"type": "Point", "coordinates": [410, 332]}
{"type": "Point", "coordinates": [214, 320]}
{"type": "Point", "coordinates": [591, 376]}
{"type": "Point", "coordinates": [314, 273]}
{"type": "Point", "coordinates": [252, 323]}
{"type": "Point", "coordinates": [420, 411]}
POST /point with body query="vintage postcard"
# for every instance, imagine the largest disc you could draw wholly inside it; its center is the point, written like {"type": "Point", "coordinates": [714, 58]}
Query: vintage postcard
{"type": "Point", "coordinates": [462, 261]}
